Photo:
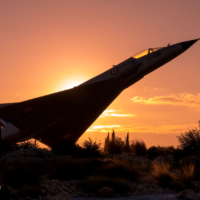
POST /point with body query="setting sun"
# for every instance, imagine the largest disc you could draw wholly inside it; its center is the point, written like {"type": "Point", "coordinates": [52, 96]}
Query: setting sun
{"type": "Point", "coordinates": [70, 83]}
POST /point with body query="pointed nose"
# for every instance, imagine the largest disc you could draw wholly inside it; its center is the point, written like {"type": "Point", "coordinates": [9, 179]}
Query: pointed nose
{"type": "Point", "coordinates": [188, 44]}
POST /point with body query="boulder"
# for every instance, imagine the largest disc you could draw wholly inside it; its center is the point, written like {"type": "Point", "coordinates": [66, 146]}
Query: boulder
{"type": "Point", "coordinates": [106, 192]}
{"type": "Point", "coordinates": [188, 194]}
{"type": "Point", "coordinates": [62, 196]}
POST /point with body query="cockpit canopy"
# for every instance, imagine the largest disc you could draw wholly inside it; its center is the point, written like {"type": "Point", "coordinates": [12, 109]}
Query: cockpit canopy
{"type": "Point", "coordinates": [145, 52]}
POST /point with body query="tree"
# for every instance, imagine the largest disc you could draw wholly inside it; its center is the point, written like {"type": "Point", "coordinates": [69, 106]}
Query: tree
{"type": "Point", "coordinates": [127, 144]}
{"type": "Point", "coordinates": [190, 141]}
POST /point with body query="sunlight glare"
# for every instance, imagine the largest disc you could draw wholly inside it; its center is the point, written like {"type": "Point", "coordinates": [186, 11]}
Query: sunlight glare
{"type": "Point", "coordinates": [70, 83]}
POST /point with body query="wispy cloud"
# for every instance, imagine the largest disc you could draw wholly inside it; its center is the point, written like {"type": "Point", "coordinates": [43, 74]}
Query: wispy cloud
{"type": "Point", "coordinates": [103, 128]}
{"type": "Point", "coordinates": [185, 99]}
{"type": "Point", "coordinates": [159, 89]}
{"type": "Point", "coordinates": [136, 128]}
{"type": "Point", "coordinates": [115, 113]}
{"type": "Point", "coordinates": [161, 129]}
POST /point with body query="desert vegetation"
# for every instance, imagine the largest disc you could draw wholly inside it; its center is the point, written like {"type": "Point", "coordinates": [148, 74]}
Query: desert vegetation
{"type": "Point", "coordinates": [123, 165]}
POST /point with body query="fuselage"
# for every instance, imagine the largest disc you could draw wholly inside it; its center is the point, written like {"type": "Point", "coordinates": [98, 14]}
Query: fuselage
{"type": "Point", "coordinates": [74, 110]}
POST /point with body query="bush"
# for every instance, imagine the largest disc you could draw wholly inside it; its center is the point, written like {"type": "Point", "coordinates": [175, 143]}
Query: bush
{"type": "Point", "coordinates": [73, 168]}
{"type": "Point", "coordinates": [17, 176]}
{"type": "Point", "coordinates": [25, 166]}
{"type": "Point", "coordinates": [65, 148]}
{"type": "Point", "coordinates": [190, 142]}
{"type": "Point", "coordinates": [120, 169]}
{"type": "Point", "coordinates": [7, 147]}
{"type": "Point", "coordinates": [115, 147]}
{"type": "Point", "coordinates": [161, 173]}
{"type": "Point", "coordinates": [139, 148]}
{"type": "Point", "coordinates": [90, 149]}
{"type": "Point", "coordinates": [186, 174]}
{"type": "Point", "coordinates": [154, 152]}
{"type": "Point", "coordinates": [94, 183]}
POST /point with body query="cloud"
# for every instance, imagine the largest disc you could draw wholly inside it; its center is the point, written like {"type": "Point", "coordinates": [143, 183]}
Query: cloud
{"type": "Point", "coordinates": [159, 89]}
{"type": "Point", "coordinates": [136, 128]}
{"type": "Point", "coordinates": [185, 99]}
{"type": "Point", "coordinates": [112, 113]}
{"type": "Point", "coordinates": [104, 128]}
{"type": "Point", "coordinates": [161, 129]}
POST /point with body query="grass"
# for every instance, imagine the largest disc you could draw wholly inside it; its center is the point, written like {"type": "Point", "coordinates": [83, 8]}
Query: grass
{"type": "Point", "coordinates": [186, 174]}
{"type": "Point", "coordinates": [182, 179]}
{"type": "Point", "coordinates": [161, 173]}
{"type": "Point", "coordinates": [139, 148]}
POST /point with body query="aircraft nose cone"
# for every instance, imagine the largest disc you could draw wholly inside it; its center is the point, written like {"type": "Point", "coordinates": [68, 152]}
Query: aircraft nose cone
{"type": "Point", "coordinates": [188, 44]}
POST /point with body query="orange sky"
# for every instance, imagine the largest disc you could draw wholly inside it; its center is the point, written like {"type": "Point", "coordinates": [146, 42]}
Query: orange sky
{"type": "Point", "coordinates": [49, 45]}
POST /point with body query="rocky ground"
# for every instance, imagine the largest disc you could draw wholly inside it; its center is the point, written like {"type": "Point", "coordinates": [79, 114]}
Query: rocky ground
{"type": "Point", "coordinates": [55, 189]}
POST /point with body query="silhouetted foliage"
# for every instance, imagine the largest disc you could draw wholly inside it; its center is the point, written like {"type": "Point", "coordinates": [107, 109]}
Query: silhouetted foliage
{"type": "Point", "coordinates": [190, 142]}
{"type": "Point", "coordinates": [154, 152]}
{"type": "Point", "coordinates": [66, 168]}
{"type": "Point", "coordinates": [115, 147]}
{"type": "Point", "coordinates": [88, 150]}
{"type": "Point", "coordinates": [7, 147]}
{"type": "Point", "coordinates": [65, 148]}
{"type": "Point", "coordinates": [19, 175]}
{"type": "Point", "coordinates": [126, 147]}
{"type": "Point", "coordinates": [139, 148]}
{"type": "Point", "coordinates": [115, 168]}
{"type": "Point", "coordinates": [94, 183]}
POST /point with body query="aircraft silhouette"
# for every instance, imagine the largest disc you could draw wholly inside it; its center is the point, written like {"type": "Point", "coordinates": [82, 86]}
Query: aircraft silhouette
{"type": "Point", "coordinates": [66, 115]}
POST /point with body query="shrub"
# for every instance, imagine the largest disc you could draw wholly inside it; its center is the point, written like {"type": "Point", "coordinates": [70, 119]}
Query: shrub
{"type": "Point", "coordinates": [25, 166]}
{"type": "Point", "coordinates": [120, 169]}
{"type": "Point", "coordinates": [154, 152]}
{"type": "Point", "coordinates": [73, 168]}
{"type": "Point", "coordinates": [65, 148]}
{"type": "Point", "coordinates": [186, 174]}
{"type": "Point", "coordinates": [161, 173]}
{"type": "Point", "coordinates": [115, 147]}
{"type": "Point", "coordinates": [7, 147]}
{"type": "Point", "coordinates": [31, 191]}
{"type": "Point", "coordinates": [94, 183]}
{"type": "Point", "coordinates": [190, 142]}
{"type": "Point", "coordinates": [33, 156]}
{"type": "Point", "coordinates": [139, 148]}
{"type": "Point", "coordinates": [88, 150]}
{"type": "Point", "coordinates": [17, 176]}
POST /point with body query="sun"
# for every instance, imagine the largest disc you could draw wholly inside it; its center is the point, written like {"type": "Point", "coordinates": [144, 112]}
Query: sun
{"type": "Point", "coordinates": [70, 83]}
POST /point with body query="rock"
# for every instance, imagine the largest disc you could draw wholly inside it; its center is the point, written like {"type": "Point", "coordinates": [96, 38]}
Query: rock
{"type": "Point", "coordinates": [188, 194]}
{"type": "Point", "coordinates": [62, 196]}
{"type": "Point", "coordinates": [106, 192]}
{"type": "Point", "coordinates": [45, 183]}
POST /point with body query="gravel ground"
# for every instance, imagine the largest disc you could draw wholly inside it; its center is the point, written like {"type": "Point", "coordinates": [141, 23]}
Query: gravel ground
{"type": "Point", "coordinates": [134, 197]}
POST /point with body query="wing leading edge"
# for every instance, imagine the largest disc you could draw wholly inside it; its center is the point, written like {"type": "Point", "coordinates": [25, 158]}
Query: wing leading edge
{"type": "Point", "coordinates": [63, 115]}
